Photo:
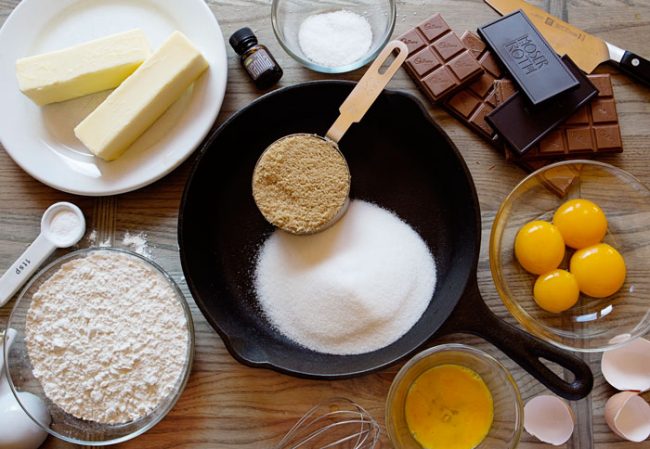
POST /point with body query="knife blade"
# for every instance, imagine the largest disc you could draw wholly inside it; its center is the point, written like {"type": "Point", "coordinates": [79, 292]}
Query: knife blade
{"type": "Point", "coordinates": [586, 50]}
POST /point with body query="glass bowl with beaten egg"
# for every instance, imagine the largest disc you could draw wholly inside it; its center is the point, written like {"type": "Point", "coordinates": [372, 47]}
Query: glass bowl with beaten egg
{"type": "Point", "coordinates": [454, 396]}
{"type": "Point", "coordinates": [570, 255]}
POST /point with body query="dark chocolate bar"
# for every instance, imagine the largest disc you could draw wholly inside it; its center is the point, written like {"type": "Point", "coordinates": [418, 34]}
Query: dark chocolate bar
{"type": "Point", "coordinates": [438, 61]}
{"type": "Point", "coordinates": [473, 102]}
{"type": "Point", "coordinates": [528, 58]}
{"type": "Point", "coordinates": [522, 125]}
{"type": "Point", "coordinates": [591, 131]}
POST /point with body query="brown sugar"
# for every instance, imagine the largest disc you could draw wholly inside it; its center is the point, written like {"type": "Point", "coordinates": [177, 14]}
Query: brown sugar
{"type": "Point", "coordinates": [300, 183]}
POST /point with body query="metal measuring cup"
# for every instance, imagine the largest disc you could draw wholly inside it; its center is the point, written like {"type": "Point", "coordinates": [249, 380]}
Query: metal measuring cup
{"type": "Point", "coordinates": [351, 111]}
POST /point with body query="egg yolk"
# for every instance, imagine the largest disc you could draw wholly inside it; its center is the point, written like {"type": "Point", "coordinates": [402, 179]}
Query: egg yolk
{"type": "Point", "coordinates": [581, 222]}
{"type": "Point", "coordinates": [539, 247]}
{"type": "Point", "coordinates": [449, 407]}
{"type": "Point", "coordinates": [556, 291]}
{"type": "Point", "coordinates": [599, 270]}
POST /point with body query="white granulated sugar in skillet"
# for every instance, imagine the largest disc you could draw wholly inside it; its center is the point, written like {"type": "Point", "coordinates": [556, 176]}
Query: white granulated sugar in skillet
{"type": "Point", "coordinates": [334, 39]}
{"type": "Point", "coordinates": [107, 337]}
{"type": "Point", "coordinates": [353, 288]}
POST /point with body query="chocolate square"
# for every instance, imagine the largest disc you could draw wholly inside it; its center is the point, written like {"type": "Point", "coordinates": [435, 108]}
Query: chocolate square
{"type": "Point", "coordinates": [580, 117]}
{"type": "Point", "coordinates": [489, 63]}
{"type": "Point", "coordinates": [608, 137]}
{"type": "Point", "coordinates": [579, 139]}
{"type": "Point", "coordinates": [439, 82]}
{"type": "Point", "coordinates": [449, 45]}
{"type": "Point", "coordinates": [482, 85]}
{"type": "Point", "coordinates": [413, 40]}
{"type": "Point", "coordinates": [603, 110]}
{"type": "Point", "coordinates": [434, 27]}
{"type": "Point", "coordinates": [603, 83]}
{"type": "Point", "coordinates": [552, 144]}
{"type": "Point", "coordinates": [423, 61]}
{"type": "Point", "coordinates": [479, 117]}
{"type": "Point", "coordinates": [464, 65]}
{"type": "Point", "coordinates": [464, 103]}
{"type": "Point", "coordinates": [504, 89]}
{"type": "Point", "coordinates": [474, 44]}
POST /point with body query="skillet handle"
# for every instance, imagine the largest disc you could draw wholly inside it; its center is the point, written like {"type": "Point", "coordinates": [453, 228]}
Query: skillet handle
{"type": "Point", "coordinates": [473, 316]}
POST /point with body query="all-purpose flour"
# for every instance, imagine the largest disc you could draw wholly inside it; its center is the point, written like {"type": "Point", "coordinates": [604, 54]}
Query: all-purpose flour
{"type": "Point", "coordinates": [355, 287]}
{"type": "Point", "coordinates": [107, 337]}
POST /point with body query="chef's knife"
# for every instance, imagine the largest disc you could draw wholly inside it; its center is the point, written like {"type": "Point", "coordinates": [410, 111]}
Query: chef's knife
{"type": "Point", "coordinates": [585, 50]}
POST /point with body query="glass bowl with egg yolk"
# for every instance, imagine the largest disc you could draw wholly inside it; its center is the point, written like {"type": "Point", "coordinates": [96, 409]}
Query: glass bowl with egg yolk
{"type": "Point", "coordinates": [604, 317]}
{"type": "Point", "coordinates": [453, 396]}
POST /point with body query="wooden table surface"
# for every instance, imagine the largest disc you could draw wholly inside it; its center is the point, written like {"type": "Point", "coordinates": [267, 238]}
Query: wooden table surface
{"type": "Point", "coordinates": [228, 405]}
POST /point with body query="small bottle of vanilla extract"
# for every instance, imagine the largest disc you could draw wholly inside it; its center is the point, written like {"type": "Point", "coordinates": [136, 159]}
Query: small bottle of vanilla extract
{"type": "Point", "coordinates": [256, 58]}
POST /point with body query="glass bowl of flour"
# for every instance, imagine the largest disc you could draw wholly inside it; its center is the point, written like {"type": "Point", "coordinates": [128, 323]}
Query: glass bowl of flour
{"type": "Point", "coordinates": [105, 338]}
{"type": "Point", "coordinates": [333, 36]}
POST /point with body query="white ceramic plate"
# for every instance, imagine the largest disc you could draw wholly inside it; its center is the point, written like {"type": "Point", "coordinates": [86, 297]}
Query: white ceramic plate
{"type": "Point", "coordinates": [41, 139]}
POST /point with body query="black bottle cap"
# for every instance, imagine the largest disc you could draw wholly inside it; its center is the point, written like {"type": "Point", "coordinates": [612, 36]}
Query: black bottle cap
{"type": "Point", "coordinates": [242, 39]}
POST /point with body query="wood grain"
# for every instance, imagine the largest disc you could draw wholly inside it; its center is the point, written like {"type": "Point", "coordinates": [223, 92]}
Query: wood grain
{"type": "Point", "coordinates": [231, 406]}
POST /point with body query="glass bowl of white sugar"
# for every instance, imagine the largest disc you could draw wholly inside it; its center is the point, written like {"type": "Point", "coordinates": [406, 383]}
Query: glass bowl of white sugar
{"type": "Point", "coordinates": [105, 339]}
{"type": "Point", "coordinates": [333, 36]}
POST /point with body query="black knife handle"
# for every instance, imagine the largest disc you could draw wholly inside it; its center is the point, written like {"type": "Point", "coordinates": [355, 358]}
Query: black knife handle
{"type": "Point", "coordinates": [636, 67]}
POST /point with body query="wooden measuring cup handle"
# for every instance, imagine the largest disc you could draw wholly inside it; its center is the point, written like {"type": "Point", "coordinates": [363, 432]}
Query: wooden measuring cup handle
{"type": "Point", "coordinates": [367, 89]}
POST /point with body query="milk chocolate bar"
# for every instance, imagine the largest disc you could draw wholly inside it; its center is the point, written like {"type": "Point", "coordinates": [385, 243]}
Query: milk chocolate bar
{"type": "Point", "coordinates": [522, 125]}
{"type": "Point", "coordinates": [530, 60]}
{"type": "Point", "coordinates": [473, 102]}
{"type": "Point", "coordinates": [438, 61]}
{"type": "Point", "coordinates": [593, 130]}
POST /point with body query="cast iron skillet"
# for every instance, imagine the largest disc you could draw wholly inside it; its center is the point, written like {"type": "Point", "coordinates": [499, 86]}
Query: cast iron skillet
{"type": "Point", "coordinates": [399, 159]}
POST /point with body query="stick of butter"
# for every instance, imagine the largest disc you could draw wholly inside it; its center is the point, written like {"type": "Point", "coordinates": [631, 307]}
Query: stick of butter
{"type": "Point", "coordinates": [143, 97]}
{"type": "Point", "coordinates": [83, 69]}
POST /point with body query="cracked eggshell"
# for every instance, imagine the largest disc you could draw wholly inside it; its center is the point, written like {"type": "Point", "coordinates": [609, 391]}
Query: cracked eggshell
{"type": "Point", "coordinates": [628, 415]}
{"type": "Point", "coordinates": [549, 419]}
{"type": "Point", "coordinates": [628, 367]}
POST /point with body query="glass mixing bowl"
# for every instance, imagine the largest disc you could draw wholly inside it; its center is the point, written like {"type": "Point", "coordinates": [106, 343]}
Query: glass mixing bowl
{"type": "Point", "coordinates": [508, 408]}
{"type": "Point", "coordinates": [65, 426]}
{"type": "Point", "coordinates": [287, 15]}
{"type": "Point", "coordinates": [592, 324]}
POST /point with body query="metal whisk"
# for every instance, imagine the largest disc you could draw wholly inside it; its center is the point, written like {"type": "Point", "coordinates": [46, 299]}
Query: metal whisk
{"type": "Point", "coordinates": [335, 423]}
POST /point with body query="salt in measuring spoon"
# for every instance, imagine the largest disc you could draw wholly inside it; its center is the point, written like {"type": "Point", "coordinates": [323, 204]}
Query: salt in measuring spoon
{"type": "Point", "coordinates": [351, 111]}
{"type": "Point", "coordinates": [62, 226]}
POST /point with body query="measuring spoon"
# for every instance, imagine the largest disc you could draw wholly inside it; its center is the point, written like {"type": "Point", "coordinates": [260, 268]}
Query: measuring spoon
{"type": "Point", "coordinates": [62, 226]}
{"type": "Point", "coordinates": [352, 110]}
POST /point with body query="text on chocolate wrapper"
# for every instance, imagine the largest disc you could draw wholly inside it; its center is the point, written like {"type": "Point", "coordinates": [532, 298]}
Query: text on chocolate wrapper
{"type": "Point", "coordinates": [526, 55]}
